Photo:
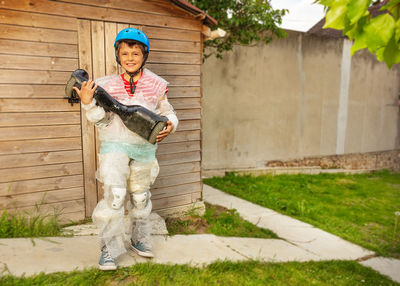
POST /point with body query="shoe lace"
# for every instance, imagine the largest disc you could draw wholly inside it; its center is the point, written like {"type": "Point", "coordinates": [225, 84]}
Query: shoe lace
{"type": "Point", "coordinates": [142, 246]}
{"type": "Point", "coordinates": [107, 255]}
{"type": "Point", "coordinates": [137, 244]}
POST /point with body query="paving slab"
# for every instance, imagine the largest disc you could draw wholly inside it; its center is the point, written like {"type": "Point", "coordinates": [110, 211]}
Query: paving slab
{"type": "Point", "coordinates": [321, 243]}
{"type": "Point", "coordinates": [31, 256]}
{"type": "Point", "coordinates": [195, 250]}
{"type": "Point", "coordinates": [387, 266]}
{"type": "Point", "coordinates": [268, 250]}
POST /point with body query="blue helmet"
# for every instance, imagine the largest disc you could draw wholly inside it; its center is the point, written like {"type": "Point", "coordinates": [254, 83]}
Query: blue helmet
{"type": "Point", "coordinates": [134, 35]}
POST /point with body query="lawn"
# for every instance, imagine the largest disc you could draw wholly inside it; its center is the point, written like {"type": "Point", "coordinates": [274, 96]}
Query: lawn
{"type": "Point", "coordinates": [219, 221]}
{"type": "Point", "coordinates": [218, 273]}
{"type": "Point", "coordinates": [360, 208]}
{"type": "Point", "coordinates": [33, 224]}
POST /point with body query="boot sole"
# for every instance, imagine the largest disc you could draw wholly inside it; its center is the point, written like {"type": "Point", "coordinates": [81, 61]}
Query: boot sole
{"type": "Point", "coordinates": [107, 267]}
{"type": "Point", "coordinates": [141, 253]}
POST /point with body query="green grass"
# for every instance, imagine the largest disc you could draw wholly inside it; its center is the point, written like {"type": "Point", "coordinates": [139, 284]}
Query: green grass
{"type": "Point", "coordinates": [219, 221]}
{"type": "Point", "coordinates": [218, 273]}
{"type": "Point", "coordinates": [360, 208]}
{"type": "Point", "coordinates": [29, 224]}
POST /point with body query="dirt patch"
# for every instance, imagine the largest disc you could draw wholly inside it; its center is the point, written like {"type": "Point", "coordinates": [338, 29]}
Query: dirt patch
{"type": "Point", "coordinates": [192, 224]}
{"type": "Point", "coordinates": [373, 226]}
{"type": "Point", "coordinates": [219, 209]}
{"type": "Point", "coordinates": [130, 280]}
{"type": "Point", "coordinates": [394, 186]}
{"type": "Point", "coordinates": [187, 225]}
{"type": "Point", "coordinates": [345, 182]}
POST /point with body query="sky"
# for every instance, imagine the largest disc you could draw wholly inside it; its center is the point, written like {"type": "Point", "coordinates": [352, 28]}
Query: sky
{"type": "Point", "coordinates": [302, 16]}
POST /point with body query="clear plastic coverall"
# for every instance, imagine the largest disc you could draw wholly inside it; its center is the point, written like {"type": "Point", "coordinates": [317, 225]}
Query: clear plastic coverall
{"type": "Point", "coordinates": [127, 161]}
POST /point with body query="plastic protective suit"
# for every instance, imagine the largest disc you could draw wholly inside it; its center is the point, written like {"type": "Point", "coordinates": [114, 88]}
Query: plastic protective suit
{"type": "Point", "coordinates": [127, 161]}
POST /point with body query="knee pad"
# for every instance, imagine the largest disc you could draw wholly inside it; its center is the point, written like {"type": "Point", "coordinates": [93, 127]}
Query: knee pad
{"type": "Point", "coordinates": [142, 175]}
{"type": "Point", "coordinates": [139, 214]}
{"type": "Point", "coordinates": [139, 201]}
{"type": "Point", "coordinates": [118, 197]}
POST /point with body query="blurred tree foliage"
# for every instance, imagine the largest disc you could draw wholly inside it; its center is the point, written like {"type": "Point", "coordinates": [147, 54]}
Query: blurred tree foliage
{"type": "Point", "coordinates": [370, 24]}
{"type": "Point", "coordinates": [245, 21]}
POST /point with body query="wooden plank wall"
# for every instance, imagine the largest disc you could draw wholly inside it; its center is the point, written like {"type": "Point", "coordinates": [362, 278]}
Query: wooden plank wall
{"type": "Point", "coordinates": [39, 127]}
{"type": "Point", "coordinates": [40, 135]}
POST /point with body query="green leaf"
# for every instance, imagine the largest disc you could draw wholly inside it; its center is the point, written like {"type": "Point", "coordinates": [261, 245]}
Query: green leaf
{"type": "Point", "coordinates": [379, 31]}
{"type": "Point", "coordinates": [391, 54]}
{"type": "Point", "coordinates": [327, 3]}
{"type": "Point", "coordinates": [393, 7]}
{"type": "Point", "coordinates": [397, 33]}
{"type": "Point", "coordinates": [359, 43]}
{"type": "Point", "coordinates": [336, 16]}
{"type": "Point", "coordinates": [350, 30]}
{"type": "Point", "coordinates": [356, 9]}
{"type": "Point", "coordinates": [357, 28]}
{"type": "Point", "coordinates": [379, 54]}
{"type": "Point", "coordinates": [396, 12]}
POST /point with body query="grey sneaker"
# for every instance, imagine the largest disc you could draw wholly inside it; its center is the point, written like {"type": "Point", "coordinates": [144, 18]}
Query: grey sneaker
{"type": "Point", "coordinates": [142, 249]}
{"type": "Point", "coordinates": [106, 261]}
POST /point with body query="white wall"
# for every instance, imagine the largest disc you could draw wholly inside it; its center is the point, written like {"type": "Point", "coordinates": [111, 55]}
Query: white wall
{"type": "Point", "coordinates": [281, 102]}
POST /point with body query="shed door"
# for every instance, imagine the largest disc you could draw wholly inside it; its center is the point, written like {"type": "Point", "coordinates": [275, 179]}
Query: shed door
{"type": "Point", "coordinates": [96, 56]}
{"type": "Point", "coordinates": [179, 62]}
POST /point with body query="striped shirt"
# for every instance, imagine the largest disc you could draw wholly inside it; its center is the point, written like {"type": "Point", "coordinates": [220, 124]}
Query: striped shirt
{"type": "Point", "coordinates": [128, 85]}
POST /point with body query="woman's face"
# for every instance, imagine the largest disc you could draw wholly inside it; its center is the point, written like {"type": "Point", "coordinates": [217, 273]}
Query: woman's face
{"type": "Point", "coordinates": [131, 57]}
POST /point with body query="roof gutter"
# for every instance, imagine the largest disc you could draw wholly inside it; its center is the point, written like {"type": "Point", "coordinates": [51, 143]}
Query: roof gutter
{"type": "Point", "coordinates": [207, 20]}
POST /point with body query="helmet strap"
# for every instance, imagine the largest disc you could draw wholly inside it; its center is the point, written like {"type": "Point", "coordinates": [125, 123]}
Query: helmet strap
{"type": "Point", "coordinates": [131, 75]}
{"type": "Point", "coordinates": [131, 81]}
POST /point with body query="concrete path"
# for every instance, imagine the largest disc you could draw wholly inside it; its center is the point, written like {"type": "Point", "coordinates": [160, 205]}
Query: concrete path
{"type": "Point", "coordinates": [301, 242]}
{"type": "Point", "coordinates": [385, 266]}
{"type": "Point", "coordinates": [303, 235]}
{"type": "Point", "coordinates": [320, 243]}
{"type": "Point", "coordinates": [54, 254]}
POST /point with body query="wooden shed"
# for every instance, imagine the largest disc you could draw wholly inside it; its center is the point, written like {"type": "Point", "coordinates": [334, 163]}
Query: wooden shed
{"type": "Point", "coordinates": [47, 148]}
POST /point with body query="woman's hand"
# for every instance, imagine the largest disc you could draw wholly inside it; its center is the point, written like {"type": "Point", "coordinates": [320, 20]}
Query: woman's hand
{"type": "Point", "coordinates": [86, 92]}
{"type": "Point", "coordinates": [164, 133]}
